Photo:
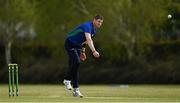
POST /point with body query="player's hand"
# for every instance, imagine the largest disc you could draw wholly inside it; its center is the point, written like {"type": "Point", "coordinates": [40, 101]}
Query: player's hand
{"type": "Point", "coordinates": [82, 56]}
{"type": "Point", "coordinates": [96, 54]}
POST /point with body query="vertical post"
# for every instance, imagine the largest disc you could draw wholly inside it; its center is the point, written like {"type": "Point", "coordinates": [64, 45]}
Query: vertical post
{"type": "Point", "coordinates": [17, 81]}
{"type": "Point", "coordinates": [9, 71]}
{"type": "Point", "coordinates": [13, 80]}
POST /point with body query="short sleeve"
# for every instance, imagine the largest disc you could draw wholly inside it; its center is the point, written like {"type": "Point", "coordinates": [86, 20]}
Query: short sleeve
{"type": "Point", "coordinates": [87, 28]}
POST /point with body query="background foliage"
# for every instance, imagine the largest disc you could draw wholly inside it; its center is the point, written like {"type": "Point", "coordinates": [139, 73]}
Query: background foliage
{"type": "Point", "coordinates": [137, 42]}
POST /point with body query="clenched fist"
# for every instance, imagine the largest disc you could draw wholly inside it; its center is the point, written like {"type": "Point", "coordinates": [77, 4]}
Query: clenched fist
{"type": "Point", "coordinates": [96, 54]}
{"type": "Point", "coordinates": [82, 56]}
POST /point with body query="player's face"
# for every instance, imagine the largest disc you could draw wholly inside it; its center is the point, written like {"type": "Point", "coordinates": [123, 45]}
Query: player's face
{"type": "Point", "coordinates": [98, 23]}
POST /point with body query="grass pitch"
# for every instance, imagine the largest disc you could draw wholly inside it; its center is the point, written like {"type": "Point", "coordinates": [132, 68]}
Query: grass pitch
{"type": "Point", "coordinates": [94, 93]}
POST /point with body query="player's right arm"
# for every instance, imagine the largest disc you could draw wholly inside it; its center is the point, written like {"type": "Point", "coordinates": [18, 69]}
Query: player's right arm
{"type": "Point", "coordinates": [91, 45]}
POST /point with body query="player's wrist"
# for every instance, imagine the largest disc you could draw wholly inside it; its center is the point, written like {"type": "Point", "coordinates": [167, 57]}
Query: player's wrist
{"type": "Point", "coordinates": [82, 51]}
{"type": "Point", "coordinates": [93, 51]}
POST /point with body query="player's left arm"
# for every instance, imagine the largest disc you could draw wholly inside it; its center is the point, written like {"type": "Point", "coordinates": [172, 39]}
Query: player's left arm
{"type": "Point", "coordinates": [82, 53]}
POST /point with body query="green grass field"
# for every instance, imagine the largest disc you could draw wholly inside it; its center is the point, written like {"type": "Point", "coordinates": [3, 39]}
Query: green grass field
{"type": "Point", "coordinates": [94, 93]}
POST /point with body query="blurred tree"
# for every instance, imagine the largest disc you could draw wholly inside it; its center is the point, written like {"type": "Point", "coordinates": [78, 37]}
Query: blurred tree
{"type": "Point", "coordinates": [15, 21]}
{"type": "Point", "coordinates": [129, 37]}
{"type": "Point", "coordinates": [171, 30]}
{"type": "Point", "coordinates": [130, 24]}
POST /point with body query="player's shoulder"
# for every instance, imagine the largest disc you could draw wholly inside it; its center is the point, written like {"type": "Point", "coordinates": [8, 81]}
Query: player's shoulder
{"type": "Point", "coordinates": [87, 24]}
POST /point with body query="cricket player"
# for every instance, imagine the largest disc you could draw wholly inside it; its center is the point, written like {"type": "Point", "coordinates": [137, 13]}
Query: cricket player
{"type": "Point", "coordinates": [75, 46]}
